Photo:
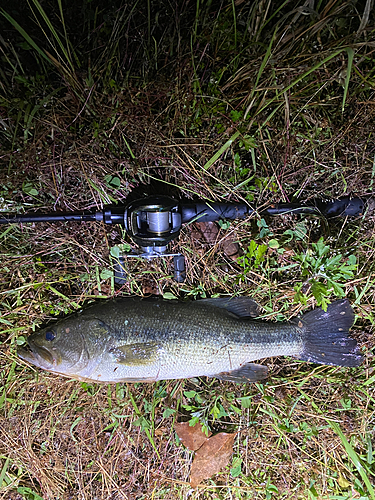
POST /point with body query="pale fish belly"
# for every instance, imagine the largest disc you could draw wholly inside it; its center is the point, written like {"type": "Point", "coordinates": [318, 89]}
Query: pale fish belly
{"type": "Point", "coordinates": [210, 361]}
{"type": "Point", "coordinates": [186, 361]}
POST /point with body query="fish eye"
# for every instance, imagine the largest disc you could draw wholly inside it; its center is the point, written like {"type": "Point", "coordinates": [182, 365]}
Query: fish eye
{"type": "Point", "coordinates": [50, 335]}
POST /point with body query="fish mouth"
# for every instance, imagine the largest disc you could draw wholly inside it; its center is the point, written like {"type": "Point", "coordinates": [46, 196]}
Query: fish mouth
{"type": "Point", "coordinates": [37, 355]}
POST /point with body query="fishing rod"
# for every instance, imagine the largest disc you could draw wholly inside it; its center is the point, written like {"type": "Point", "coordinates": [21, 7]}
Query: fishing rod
{"type": "Point", "coordinates": [153, 222]}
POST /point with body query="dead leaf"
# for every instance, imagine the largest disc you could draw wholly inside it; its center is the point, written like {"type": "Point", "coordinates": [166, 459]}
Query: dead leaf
{"type": "Point", "coordinates": [192, 437]}
{"type": "Point", "coordinates": [149, 287]}
{"type": "Point", "coordinates": [213, 455]}
{"type": "Point", "coordinates": [160, 431]}
{"type": "Point", "coordinates": [231, 249]}
{"type": "Point", "coordinates": [209, 231]}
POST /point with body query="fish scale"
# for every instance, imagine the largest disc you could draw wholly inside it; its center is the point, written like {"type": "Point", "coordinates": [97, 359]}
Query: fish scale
{"type": "Point", "coordinates": [132, 339]}
{"type": "Point", "coordinates": [228, 345]}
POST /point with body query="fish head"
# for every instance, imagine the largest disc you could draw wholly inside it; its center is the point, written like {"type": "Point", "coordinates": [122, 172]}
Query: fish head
{"type": "Point", "coordinates": [59, 348]}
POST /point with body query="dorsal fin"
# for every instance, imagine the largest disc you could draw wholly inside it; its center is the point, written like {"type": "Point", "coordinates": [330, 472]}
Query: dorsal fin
{"type": "Point", "coordinates": [242, 307]}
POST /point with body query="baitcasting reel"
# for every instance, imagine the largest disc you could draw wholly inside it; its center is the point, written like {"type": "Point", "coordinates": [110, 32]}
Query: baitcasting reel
{"type": "Point", "coordinates": [154, 222]}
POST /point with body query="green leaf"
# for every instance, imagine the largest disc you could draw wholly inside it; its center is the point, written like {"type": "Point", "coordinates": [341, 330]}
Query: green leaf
{"type": "Point", "coordinates": [215, 412]}
{"type": "Point", "coordinates": [289, 233]}
{"type": "Point", "coordinates": [237, 160]}
{"type": "Point", "coordinates": [106, 274]}
{"type": "Point", "coordinates": [273, 243]}
{"type": "Point", "coordinates": [193, 421]}
{"type": "Point", "coordinates": [190, 394]}
{"type": "Point", "coordinates": [112, 181]}
{"type": "Point", "coordinates": [168, 412]}
{"type": "Point", "coordinates": [300, 297]}
{"type": "Point", "coordinates": [319, 290]}
{"type": "Point", "coordinates": [5, 321]}
{"type": "Point", "coordinates": [254, 256]}
{"type": "Point", "coordinates": [142, 422]}
{"type": "Point", "coordinates": [338, 290]}
{"type": "Point", "coordinates": [236, 467]}
{"type": "Point", "coordinates": [28, 493]}
{"type": "Point", "coordinates": [246, 402]}
{"type": "Point", "coordinates": [115, 252]}
{"type": "Point", "coordinates": [352, 260]}
{"type": "Point", "coordinates": [28, 188]}
{"type": "Point", "coordinates": [236, 115]}
{"type": "Point", "coordinates": [320, 248]}
{"type": "Point", "coordinates": [333, 262]}
{"type": "Point", "coordinates": [248, 142]}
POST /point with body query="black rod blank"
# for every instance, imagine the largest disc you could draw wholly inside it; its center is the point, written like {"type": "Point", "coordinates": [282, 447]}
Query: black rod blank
{"type": "Point", "coordinates": [203, 212]}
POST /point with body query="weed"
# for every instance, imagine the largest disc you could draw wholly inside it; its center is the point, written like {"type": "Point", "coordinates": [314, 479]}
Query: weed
{"type": "Point", "coordinates": [326, 273]}
{"type": "Point", "coordinates": [254, 256]}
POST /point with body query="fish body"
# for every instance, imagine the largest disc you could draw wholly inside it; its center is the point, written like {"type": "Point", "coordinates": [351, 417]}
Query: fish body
{"type": "Point", "coordinates": [145, 340]}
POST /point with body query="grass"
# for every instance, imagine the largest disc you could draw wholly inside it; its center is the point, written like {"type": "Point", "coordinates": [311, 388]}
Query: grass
{"type": "Point", "coordinates": [221, 101]}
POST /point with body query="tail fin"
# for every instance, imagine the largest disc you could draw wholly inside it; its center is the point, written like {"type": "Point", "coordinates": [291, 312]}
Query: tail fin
{"type": "Point", "coordinates": [327, 338]}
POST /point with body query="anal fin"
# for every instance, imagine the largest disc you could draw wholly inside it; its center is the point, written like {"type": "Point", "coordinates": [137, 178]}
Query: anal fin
{"type": "Point", "coordinates": [250, 372]}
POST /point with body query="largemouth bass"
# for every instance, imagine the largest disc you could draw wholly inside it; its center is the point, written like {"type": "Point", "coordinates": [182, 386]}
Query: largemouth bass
{"type": "Point", "coordinates": [145, 340]}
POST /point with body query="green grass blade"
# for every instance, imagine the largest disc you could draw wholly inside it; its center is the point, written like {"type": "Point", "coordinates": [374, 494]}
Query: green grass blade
{"type": "Point", "coordinates": [300, 78]}
{"type": "Point", "coordinates": [353, 457]}
{"type": "Point", "coordinates": [105, 197]}
{"type": "Point", "coordinates": [64, 27]}
{"type": "Point", "coordinates": [274, 14]}
{"type": "Point", "coordinates": [25, 35]}
{"type": "Point", "coordinates": [59, 294]}
{"type": "Point", "coordinates": [29, 118]}
{"type": "Point", "coordinates": [129, 148]}
{"type": "Point", "coordinates": [54, 33]}
{"type": "Point", "coordinates": [3, 472]}
{"type": "Point", "coordinates": [271, 115]}
{"type": "Point", "coordinates": [223, 148]}
{"type": "Point", "coordinates": [369, 381]}
{"type": "Point", "coordinates": [195, 29]}
{"type": "Point", "coordinates": [350, 53]}
{"type": "Point", "coordinates": [234, 24]}
{"type": "Point", "coordinates": [136, 409]}
{"type": "Point", "coordinates": [263, 64]}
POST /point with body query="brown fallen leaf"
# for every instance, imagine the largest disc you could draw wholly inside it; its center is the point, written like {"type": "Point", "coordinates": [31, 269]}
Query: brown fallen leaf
{"type": "Point", "coordinates": [209, 231]}
{"type": "Point", "coordinates": [192, 437]}
{"type": "Point", "coordinates": [149, 287]}
{"type": "Point", "coordinates": [231, 249]}
{"type": "Point", "coordinates": [211, 457]}
{"type": "Point", "coordinates": [160, 431]}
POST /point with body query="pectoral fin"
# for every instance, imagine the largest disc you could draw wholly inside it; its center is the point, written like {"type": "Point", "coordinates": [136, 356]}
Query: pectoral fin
{"type": "Point", "coordinates": [250, 372]}
{"type": "Point", "coordinates": [142, 353]}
